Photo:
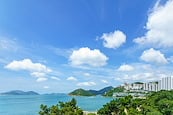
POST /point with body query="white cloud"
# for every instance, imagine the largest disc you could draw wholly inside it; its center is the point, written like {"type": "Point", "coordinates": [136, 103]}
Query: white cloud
{"type": "Point", "coordinates": [86, 56]}
{"type": "Point", "coordinates": [41, 79]}
{"type": "Point", "coordinates": [87, 74]}
{"type": "Point", "coordinates": [37, 70]}
{"type": "Point", "coordinates": [104, 81]}
{"type": "Point", "coordinates": [113, 39]}
{"type": "Point", "coordinates": [71, 78]}
{"type": "Point", "coordinates": [61, 52]}
{"type": "Point", "coordinates": [125, 67]}
{"type": "Point", "coordinates": [86, 84]}
{"type": "Point", "coordinates": [153, 56]}
{"type": "Point", "coordinates": [55, 78]}
{"type": "Point", "coordinates": [38, 74]}
{"type": "Point", "coordinates": [28, 65]}
{"type": "Point", "coordinates": [159, 27]}
{"type": "Point", "coordinates": [142, 77]}
{"type": "Point", "coordinates": [46, 87]}
{"type": "Point", "coordinates": [8, 44]}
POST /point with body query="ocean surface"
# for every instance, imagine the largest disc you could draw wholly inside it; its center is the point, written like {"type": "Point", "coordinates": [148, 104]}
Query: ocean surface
{"type": "Point", "coordinates": [30, 104]}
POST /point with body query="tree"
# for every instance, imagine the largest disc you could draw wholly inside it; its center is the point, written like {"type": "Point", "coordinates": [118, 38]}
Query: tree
{"type": "Point", "coordinates": [156, 103]}
{"type": "Point", "coordinates": [67, 108]}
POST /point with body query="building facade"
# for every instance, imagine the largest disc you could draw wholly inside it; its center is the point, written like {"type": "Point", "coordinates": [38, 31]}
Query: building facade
{"type": "Point", "coordinates": [165, 83]}
{"type": "Point", "coordinates": [137, 86]}
{"type": "Point", "coordinates": [151, 86]}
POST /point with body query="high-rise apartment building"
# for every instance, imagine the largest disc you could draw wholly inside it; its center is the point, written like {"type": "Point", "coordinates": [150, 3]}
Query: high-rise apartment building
{"type": "Point", "coordinates": [165, 83]}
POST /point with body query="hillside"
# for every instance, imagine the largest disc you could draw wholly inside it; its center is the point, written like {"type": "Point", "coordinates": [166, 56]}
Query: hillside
{"type": "Point", "coordinates": [101, 91]}
{"type": "Point", "coordinates": [81, 92]}
{"type": "Point", "coordinates": [114, 90]}
{"type": "Point", "coordinates": [155, 103]}
{"type": "Point", "coordinates": [19, 92]}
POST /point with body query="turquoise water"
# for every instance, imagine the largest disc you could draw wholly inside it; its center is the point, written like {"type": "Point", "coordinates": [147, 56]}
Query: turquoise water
{"type": "Point", "coordinates": [29, 104]}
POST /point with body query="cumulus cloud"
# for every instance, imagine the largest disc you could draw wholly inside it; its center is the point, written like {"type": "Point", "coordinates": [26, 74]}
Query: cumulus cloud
{"type": "Point", "coordinates": [125, 67]}
{"type": "Point", "coordinates": [86, 84]}
{"type": "Point", "coordinates": [37, 70]}
{"type": "Point", "coordinates": [159, 27]}
{"type": "Point", "coordinates": [71, 78]}
{"type": "Point", "coordinates": [113, 39]}
{"type": "Point", "coordinates": [86, 56]}
{"type": "Point", "coordinates": [28, 65]}
{"type": "Point", "coordinates": [153, 56]}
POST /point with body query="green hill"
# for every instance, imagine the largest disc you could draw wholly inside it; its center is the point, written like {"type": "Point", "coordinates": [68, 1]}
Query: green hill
{"type": "Point", "coordinates": [114, 90]}
{"type": "Point", "coordinates": [101, 91]}
{"type": "Point", "coordinates": [81, 92]}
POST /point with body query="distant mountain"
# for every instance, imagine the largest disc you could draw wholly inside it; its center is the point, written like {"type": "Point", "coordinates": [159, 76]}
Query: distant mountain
{"type": "Point", "coordinates": [82, 92]}
{"type": "Point", "coordinates": [19, 92]}
{"type": "Point", "coordinates": [101, 91]}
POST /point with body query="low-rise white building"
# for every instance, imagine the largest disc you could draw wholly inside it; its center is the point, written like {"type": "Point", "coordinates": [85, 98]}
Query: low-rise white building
{"type": "Point", "coordinates": [137, 86]}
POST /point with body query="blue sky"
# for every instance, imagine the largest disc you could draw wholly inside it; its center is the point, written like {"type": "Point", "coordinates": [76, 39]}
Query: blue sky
{"type": "Point", "coordinates": [58, 46]}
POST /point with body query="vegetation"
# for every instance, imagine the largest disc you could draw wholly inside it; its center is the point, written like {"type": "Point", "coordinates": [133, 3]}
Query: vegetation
{"type": "Point", "coordinates": [101, 91]}
{"type": "Point", "coordinates": [81, 92]}
{"type": "Point", "coordinates": [67, 108]}
{"type": "Point", "coordinates": [114, 90]}
{"type": "Point", "coordinates": [158, 103]}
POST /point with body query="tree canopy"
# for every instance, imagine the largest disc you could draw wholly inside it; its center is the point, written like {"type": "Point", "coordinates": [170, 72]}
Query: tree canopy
{"type": "Point", "coordinates": [67, 108]}
{"type": "Point", "coordinates": [157, 103]}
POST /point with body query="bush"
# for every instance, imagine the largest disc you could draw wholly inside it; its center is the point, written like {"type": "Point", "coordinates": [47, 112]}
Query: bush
{"type": "Point", "coordinates": [67, 108]}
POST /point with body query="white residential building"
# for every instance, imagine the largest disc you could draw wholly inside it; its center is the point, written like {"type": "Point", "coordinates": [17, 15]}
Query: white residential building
{"type": "Point", "coordinates": [166, 83]}
{"type": "Point", "coordinates": [150, 86]}
{"type": "Point", "coordinates": [137, 86]}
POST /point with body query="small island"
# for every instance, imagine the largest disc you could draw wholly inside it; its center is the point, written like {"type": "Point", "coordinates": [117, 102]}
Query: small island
{"type": "Point", "coordinates": [19, 92]}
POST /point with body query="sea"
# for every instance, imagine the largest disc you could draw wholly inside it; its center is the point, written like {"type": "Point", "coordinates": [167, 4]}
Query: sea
{"type": "Point", "coordinates": [30, 104]}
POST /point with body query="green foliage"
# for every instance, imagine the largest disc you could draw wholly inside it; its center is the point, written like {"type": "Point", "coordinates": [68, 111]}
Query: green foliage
{"type": "Point", "coordinates": [67, 108]}
{"type": "Point", "coordinates": [114, 90]}
{"type": "Point", "coordinates": [81, 92]}
{"type": "Point", "coordinates": [158, 103]}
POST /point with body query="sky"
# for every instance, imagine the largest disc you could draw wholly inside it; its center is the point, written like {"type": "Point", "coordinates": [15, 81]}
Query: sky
{"type": "Point", "coordinates": [61, 45]}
